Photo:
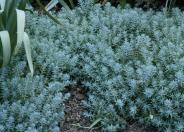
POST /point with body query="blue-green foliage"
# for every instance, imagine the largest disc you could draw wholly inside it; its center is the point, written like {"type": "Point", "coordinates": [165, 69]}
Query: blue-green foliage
{"type": "Point", "coordinates": [34, 104]}
{"type": "Point", "coordinates": [130, 60]}
{"type": "Point", "coordinates": [30, 104]}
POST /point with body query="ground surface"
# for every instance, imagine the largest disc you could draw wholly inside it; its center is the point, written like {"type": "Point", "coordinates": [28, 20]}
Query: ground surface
{"type": "Point", "coordinates": [74, 116]}
{"type": "Point", "coordinates": [138, 128]}
{"type": "Point", "coordinates": [74, 113]}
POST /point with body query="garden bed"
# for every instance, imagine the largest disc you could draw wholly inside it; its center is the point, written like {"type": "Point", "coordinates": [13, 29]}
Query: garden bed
{"type": "Point", "coordinates": [127, 64]}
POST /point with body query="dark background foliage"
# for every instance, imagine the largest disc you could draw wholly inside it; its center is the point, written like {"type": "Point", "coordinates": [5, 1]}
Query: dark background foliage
{"type": "Point", "coordinates": [145, 4]}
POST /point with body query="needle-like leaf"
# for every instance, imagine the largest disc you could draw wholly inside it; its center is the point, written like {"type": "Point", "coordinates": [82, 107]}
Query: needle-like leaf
{"type": "Point", "coordinates": [65, 5]}
{"type": "Point", "coordinates": [95, 123]}
{"type": "Point", "coordinates": [51, 5]}
{"type": "Point", "coordinates": [48, 14]}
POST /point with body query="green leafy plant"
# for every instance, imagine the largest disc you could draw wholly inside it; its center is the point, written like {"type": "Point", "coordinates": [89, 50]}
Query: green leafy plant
{"type": "Point", "coordinates": [123, 3]}
{"type": "Point", "coordinates": [12, 35]}
{"type": "Point", "coordinates": [53, 3]}
{"type": "Point", "coordinates": [169, 5]}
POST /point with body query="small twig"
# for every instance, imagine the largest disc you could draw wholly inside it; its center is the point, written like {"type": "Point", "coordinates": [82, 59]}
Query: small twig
{"type": "Point", "coordinates": [47, 13]}
{"type": "Point", "coordinates": [91, 127]}
{"type": "Point", "coordinates": [78, 125]}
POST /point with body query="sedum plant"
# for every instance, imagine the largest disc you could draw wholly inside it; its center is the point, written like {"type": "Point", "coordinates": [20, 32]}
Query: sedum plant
{"type": "Point", "coordinates": [12, 35]}
{"type": "Point", "coordinates": [131, 62]}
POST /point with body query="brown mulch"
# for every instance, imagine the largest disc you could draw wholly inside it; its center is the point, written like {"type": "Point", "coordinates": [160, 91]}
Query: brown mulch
{"type": "Point", "coordinates": [135, 127]}
{"type": "Point", "coordinates": [74, 115]}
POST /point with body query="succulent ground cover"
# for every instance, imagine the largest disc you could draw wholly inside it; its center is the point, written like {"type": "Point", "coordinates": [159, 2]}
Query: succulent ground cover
{"type": "Point", "coordinates": [129, 63]}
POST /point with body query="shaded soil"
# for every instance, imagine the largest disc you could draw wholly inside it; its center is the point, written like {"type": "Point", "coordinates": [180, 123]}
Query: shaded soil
{"type": "Point", "coordinates": [74, 113]}
{"type": "Point", "coordinates": [135, 127]}
{"type": "Point", "coordinates": [74, 116]}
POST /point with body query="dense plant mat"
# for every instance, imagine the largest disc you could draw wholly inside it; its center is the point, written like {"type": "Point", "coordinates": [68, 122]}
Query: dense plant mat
{"type": "Point", "coordinates": [129, 61]}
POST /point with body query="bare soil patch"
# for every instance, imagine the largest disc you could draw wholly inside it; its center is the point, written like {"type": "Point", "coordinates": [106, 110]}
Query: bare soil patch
{"type": "Point", "coordinates": [74, 113]}
{"type": "Point", "coordinates": [74, 116]}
